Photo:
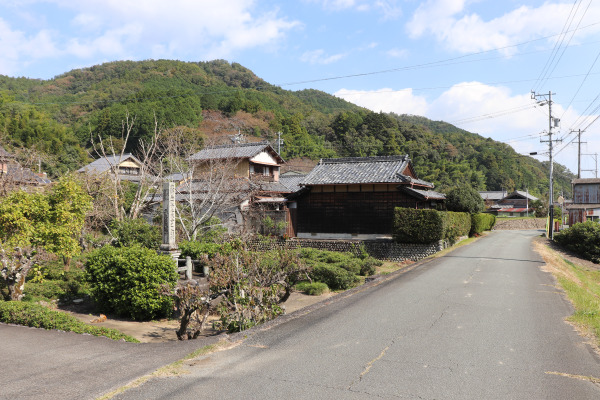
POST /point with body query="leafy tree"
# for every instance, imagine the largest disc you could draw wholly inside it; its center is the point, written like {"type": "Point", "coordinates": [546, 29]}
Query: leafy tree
{"type": "Point", "coordinates": [52, 221]}
{"type": "Point", "coordinates": [464, 199]}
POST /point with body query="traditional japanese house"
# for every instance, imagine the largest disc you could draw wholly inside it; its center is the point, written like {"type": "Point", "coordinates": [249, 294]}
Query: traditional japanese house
{"type": "Point", "coordinates": [502, 204]}
{"type": "Point", "coordinates": [127, 167]}
{"type": "Point", "coordinates": [354, 198]}
{"type": "Point", "coordinates": [586, 201]}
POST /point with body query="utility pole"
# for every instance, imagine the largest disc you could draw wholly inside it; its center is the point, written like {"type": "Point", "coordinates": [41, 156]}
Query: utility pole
{"type": "Point", "coordinates": [579, 142]}
{"type": "Point", "coordinates": [595, 157]}
{"type": "Point", "coordinates": [552, 123]}
{"type": "Point", "coordinates": [279, 142]}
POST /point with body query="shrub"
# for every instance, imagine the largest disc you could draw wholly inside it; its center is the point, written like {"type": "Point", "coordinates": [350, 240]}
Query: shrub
{"type": "Point", "coordinates": [196, 250]}
{"type": "Point", "coordinates": [334, 277]}
{"type": "Point", "coordinates": [418, 226]}
{"type": "Point", "coordinates": [369, 265]}
{"type": "Point", "coordinates": [583, 239]}
{"type": "Point", "coordinates": [126, 281]}
{"type": "Point", "coordinates": [464, 199]}
{"type": "Point", "coordinates": [482, 222]}
{"type": "Point", "coordinates": [130, 232]}
{"type": "Point", "coordinates": [312, 288]}
{"type": "Point", "coordinates": [38, 316]}
{"type": "Point", "coordinates": [458, 224]}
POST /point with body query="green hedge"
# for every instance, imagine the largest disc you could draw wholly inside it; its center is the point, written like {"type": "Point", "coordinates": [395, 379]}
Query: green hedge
{"type": "Point", "coordinates": [428, 226]}
{"type": "Point", "coordinates": [418, 226]}
{"type": "Point", "coordinates": [458, 224]}
{"type": "Point", "coordinates": [38, 316]}
{"type": "Point", "coordinates": [583, 239]}
{"type": "Point", "coordinates": [126, 281]}
{"type": "Point", "coordinates": [482, 222]}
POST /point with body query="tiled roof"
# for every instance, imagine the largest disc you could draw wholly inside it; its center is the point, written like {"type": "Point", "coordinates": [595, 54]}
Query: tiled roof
{"type": "Point", "coordinates": [585, 180]}
{"type": "Point", "coordinates": [425, 194]}
{"type": "Point", "coordinates": [356, 170]}
{"type": "Point", "coordinates": [22, 175]}
{"type": "Point", "coordinates": [5, 154]}
{"type": "Point", "coordinates": [234, 151]}
{"type": "Point", "coordinates": [292, 182]}
{"type": "Point", "coordinates": [494, 195]}
{"type": "Point", "coordinates": [522, 194]}
{"type": "Point", "coordinates": [104, 163]}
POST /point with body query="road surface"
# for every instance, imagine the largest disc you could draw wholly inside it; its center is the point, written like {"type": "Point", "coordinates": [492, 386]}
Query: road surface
{"type": "Point", "coordinates": [483, 322]}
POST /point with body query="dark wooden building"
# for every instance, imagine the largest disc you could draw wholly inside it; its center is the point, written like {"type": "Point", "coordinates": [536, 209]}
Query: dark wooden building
{"type": "Point", "coordinates": [354, 198]}
{"type": "Point", "coordinates": [586, 201]}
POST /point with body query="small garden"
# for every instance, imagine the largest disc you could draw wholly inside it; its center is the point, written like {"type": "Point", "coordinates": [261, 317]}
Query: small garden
{"type": "Point", "coordinates": [52, 259]}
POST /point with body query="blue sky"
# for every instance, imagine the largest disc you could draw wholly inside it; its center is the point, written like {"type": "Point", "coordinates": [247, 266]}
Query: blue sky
{"type": "Point", "coordinates": [472, 63]}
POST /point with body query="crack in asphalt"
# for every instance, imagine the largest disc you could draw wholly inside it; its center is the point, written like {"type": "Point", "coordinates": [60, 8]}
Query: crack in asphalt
{"type": "Point", "coordinates": [440, 317]}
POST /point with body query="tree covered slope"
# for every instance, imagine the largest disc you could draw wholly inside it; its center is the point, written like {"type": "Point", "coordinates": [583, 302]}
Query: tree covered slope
{"type": "Point", "coordinates": [55, 119]}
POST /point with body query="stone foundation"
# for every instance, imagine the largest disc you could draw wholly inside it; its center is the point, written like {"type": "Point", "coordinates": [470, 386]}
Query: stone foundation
{"type": "Point", "coordinates": [387, 250]}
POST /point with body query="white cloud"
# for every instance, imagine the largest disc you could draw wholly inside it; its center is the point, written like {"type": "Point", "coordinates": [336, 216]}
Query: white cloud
{"type": "Point", "coordinates": [397, 53]}
{"type": "Point", "coordinates": [451, 24]}
{"type": "Point", "coordinates": [386, 100]}
{"type": "Point", "coordinates": [388, 8]}
{"type": "Point", "coordinates": [184, 27]}
{"type": "Point", "coordinates": [16, 48]}
{"type": "Point", "coordinates": [319, 57]}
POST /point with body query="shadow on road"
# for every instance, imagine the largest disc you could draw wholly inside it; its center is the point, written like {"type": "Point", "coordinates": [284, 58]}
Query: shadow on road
{"type": "Point", "coordinates": [496, 258]}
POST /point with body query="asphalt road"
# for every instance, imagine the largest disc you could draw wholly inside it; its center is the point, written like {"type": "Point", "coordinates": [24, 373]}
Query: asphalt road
{"type": "Point", "coordinates": [40, 364]}
{"type": "Point", "coordinates": [483, 322]}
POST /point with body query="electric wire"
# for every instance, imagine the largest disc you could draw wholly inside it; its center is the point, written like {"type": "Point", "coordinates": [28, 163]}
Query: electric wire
{"type": "Point", "coordinates": [555, 50]}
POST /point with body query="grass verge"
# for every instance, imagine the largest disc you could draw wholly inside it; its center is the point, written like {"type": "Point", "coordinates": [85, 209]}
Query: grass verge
{"type": "Point", "coordinates": [38, 316]}
{"type": "Point", "coordinates": [582, 287]}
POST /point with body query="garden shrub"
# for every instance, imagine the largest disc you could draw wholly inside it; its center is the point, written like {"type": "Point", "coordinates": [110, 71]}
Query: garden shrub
{"type": "Point", "coordinates": [126, 281]}
{"type": "Point", "coordinates": [38, 316]}
{"type": "Point", "coordinates": [369, 265]}
{"type": "Point", "coordinates": [130, 232]}
{"type": "Point", "coordinates": [458, 224]}
{"type": "Point", "coordinates": [418, 226]}
{"type": "Point", "coordinates": [482, 222]}
{"type": "Point", "coordinates": [583, 239]}
{"type": "Point", "coordinates": [334, 277]}
{"type": "Point", "coordinates": [53, 282]}
{"type": "Point", "coordinates": [196, 250]}
{"type": "Point", "coordinates": [312, 288]}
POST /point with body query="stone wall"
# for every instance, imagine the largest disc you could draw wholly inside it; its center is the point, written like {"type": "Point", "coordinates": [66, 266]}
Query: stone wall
{"type": "Point", "coordinates": [387, 250]}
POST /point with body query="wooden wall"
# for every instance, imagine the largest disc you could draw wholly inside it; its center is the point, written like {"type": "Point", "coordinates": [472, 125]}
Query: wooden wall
{"type": "Point", "coordinates": [351, 212]}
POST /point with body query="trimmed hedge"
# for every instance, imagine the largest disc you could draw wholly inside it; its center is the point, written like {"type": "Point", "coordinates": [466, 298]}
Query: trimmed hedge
{"type": "Point", "coordinates": [583, 239]}
{"type": "Point", "coordinates": [482, 222]}
{"type": "Point", "coordinates": [458, 224]}
{"type": "Point", "coordinates": [126, 281]}
{"type": "Point", "coordinates": [38, 316]}
{"type": "Point", "coordinates": [418, 226]}
{"type": "Point", "coordinates": [428, 226]}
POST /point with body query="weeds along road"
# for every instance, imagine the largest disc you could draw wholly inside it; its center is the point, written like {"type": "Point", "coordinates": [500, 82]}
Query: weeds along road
{"type": "Point", "coordinates": [483, 322]}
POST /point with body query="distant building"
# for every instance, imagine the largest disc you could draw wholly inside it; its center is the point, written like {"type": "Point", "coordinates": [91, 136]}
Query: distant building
{"type": "Point", "coordinates": [586, 201]}
{"type": "Point", "coordinates": [127, 166]}
{"type": "Point", "coordinates": [12, 174]}
{"type": "Point", "coordinates": [503, 204]}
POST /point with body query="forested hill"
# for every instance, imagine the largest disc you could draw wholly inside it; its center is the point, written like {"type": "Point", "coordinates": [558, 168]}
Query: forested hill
{"type": "Point", "coordinates": [54, 120]}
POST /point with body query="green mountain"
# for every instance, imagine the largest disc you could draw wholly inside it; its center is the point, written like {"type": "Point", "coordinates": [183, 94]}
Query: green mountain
{"type": "Point", "coordinates": [55, 119]}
